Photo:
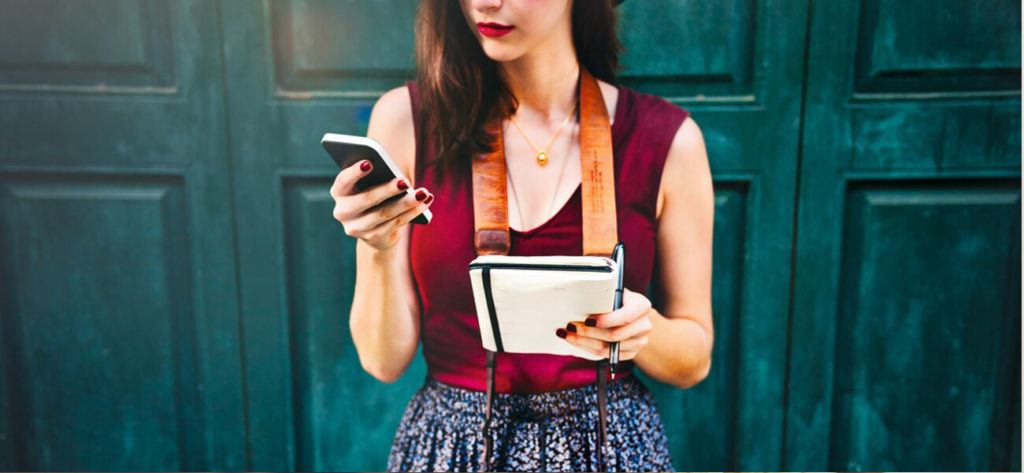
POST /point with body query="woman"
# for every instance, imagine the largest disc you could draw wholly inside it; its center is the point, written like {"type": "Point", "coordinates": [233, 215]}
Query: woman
{"type": "Point", "coordinates": [518, 62]}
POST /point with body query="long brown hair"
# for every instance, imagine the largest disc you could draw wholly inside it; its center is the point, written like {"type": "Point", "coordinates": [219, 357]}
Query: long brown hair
{"type": "Point", "coordinates": [460, 88]}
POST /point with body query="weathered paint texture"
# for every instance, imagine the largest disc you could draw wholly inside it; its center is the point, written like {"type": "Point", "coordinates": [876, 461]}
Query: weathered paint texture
{"type": "Point", "coordinates": [174, 292]}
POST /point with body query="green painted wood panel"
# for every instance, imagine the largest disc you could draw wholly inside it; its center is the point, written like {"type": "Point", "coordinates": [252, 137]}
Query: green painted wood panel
{"type": "Point", "coordinates": [906, 320]}
{"type": "Point", "coordinates": [98, 366]}
{"type": "Point", "coordinates": [923, 378]}
{"type": "Point", "coordinates": [737, 66]}
{"type": "Point", "coordinates": [344, 419]}
{"type": "Point", "coordinates": [297, 69]}
{"type": "Point", "coordinates": [119, 343]}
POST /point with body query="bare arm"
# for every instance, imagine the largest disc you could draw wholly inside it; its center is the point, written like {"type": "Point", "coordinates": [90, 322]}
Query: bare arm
{"type": "Point", "coordinates": [679, 351]}
{"type": "Point", "coordinates": [384, 319]}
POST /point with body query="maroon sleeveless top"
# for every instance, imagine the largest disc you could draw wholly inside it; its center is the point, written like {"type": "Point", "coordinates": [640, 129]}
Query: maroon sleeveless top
{"type": "Point", "coordinates": [642, 131]}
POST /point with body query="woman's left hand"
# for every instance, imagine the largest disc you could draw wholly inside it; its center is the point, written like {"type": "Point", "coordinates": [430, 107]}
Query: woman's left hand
{"type": "Point", "coordinates": [628, 325]}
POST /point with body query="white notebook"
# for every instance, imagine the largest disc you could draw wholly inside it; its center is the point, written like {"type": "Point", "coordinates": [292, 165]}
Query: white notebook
{"type": "Point", "coordinates": [533, 296]}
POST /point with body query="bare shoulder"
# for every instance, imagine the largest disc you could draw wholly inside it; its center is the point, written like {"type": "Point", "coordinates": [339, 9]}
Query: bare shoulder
{"type": "Point", "coordinates": [391, 124]}
{"type": "Point", "coordinates": [610, 93]}
{"type": "Point", "coordinates": [687, 173]}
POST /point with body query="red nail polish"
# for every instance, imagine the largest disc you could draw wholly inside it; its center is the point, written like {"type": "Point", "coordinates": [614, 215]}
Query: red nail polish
{"type": "Point", "coordinates": [365, 166]}
{"type": "Point", "coordinates": [591, 322]}
{"type": "Point", "coordinates": [402, 185]}
{"type": "Point", "coordinates": [570, 327]}
{"type": "Point", "coordinates": [430, 199]}
{"type": "Point", "coordinates": [421, 194]}
{"type": "Point", "coordinates": [561, 333]}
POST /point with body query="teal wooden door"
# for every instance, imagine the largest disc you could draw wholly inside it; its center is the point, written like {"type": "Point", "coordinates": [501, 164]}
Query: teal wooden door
{"type": "Point", "coordinates": [297, 69]}
{"type": "Point", "coordinates": [906, 301]}
{"type": "Point", "coordinates": [118, 302]}
{"type": "Point", "coordinates": [737, 66]}
{"type": "Point", "coordinates": [174, 291]}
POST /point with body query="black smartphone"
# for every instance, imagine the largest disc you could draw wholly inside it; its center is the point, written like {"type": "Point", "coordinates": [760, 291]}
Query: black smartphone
{"type": "Point", "coordinates": [346, 150]}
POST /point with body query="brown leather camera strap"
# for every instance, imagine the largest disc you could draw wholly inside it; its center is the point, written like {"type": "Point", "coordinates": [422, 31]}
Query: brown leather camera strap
{"type": "Point", "coordinates": [600, 231]}
{"type": "Point", "coordinates": [490, 199]}
{"type": "Point", "coordinates": [490, 194]}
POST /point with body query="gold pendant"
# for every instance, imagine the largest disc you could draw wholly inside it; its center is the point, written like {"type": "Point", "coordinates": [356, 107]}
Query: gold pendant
{"type": "Point", "coordinates": [542, 158]}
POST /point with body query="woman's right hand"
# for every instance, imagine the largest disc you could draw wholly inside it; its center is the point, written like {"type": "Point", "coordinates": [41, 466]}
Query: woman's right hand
{"type": "Point", "coordinates": [378, 227]}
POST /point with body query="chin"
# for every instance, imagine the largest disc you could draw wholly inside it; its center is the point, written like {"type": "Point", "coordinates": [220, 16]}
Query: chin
{"type": "Point", "coordinates": [500, 52]}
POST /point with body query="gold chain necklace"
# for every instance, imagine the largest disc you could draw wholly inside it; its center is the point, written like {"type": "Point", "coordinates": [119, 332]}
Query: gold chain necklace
{"type": "Point", "coordinates": [542, 154]}
{"type": "Point", "coordinates": [551, 206]}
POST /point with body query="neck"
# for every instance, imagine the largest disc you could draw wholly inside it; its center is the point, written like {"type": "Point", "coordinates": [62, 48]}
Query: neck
{"type": "Point", "coordinates": [544, 84]}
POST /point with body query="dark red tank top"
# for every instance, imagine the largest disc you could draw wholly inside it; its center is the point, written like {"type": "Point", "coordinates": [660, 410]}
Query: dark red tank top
{"type": "Point", "coordinates": [642, 131]}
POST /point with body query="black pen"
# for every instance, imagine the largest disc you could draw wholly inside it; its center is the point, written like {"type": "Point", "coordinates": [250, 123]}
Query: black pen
{"type": "Point", "coordinates": [619, 255]}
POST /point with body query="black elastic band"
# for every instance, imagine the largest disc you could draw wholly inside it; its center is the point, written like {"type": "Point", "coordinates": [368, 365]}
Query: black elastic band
{"type": "Point", "coordinates": [486, 275]}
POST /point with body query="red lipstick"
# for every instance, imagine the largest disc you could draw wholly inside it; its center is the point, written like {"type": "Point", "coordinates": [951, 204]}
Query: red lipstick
{"type": "Point", "coordinates": [494, 30]}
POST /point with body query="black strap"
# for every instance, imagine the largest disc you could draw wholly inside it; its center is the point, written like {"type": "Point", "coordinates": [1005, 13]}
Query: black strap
{"type": "Point", "coordinates": [490, 363]}
{"type": "Point", "coordinates": [602, 408]}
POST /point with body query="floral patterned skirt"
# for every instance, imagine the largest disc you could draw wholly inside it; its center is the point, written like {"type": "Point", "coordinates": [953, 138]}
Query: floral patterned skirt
{"type": "Point", "coordinates": [441, 430]}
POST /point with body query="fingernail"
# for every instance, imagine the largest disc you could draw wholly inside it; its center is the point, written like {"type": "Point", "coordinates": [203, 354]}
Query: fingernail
{"type": "Point", "coordinates": [561, 333]}
{"type": "Point", "coordinates": [570, 327]}
{"type": "Point", "coordinates": [591, 322]}
{"type": "Point", "coordinates": [402, 185]}
{"type": "Point", "coordinates": [430, 198]}
{"type": "Point", "coordinates": [365, 166]}
{"type": "Point", "coordinates": [421, 194]}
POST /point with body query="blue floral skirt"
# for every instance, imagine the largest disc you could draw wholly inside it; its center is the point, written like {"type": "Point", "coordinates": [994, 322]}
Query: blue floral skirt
{"type": "Point", "coordinates": [441, 430]}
